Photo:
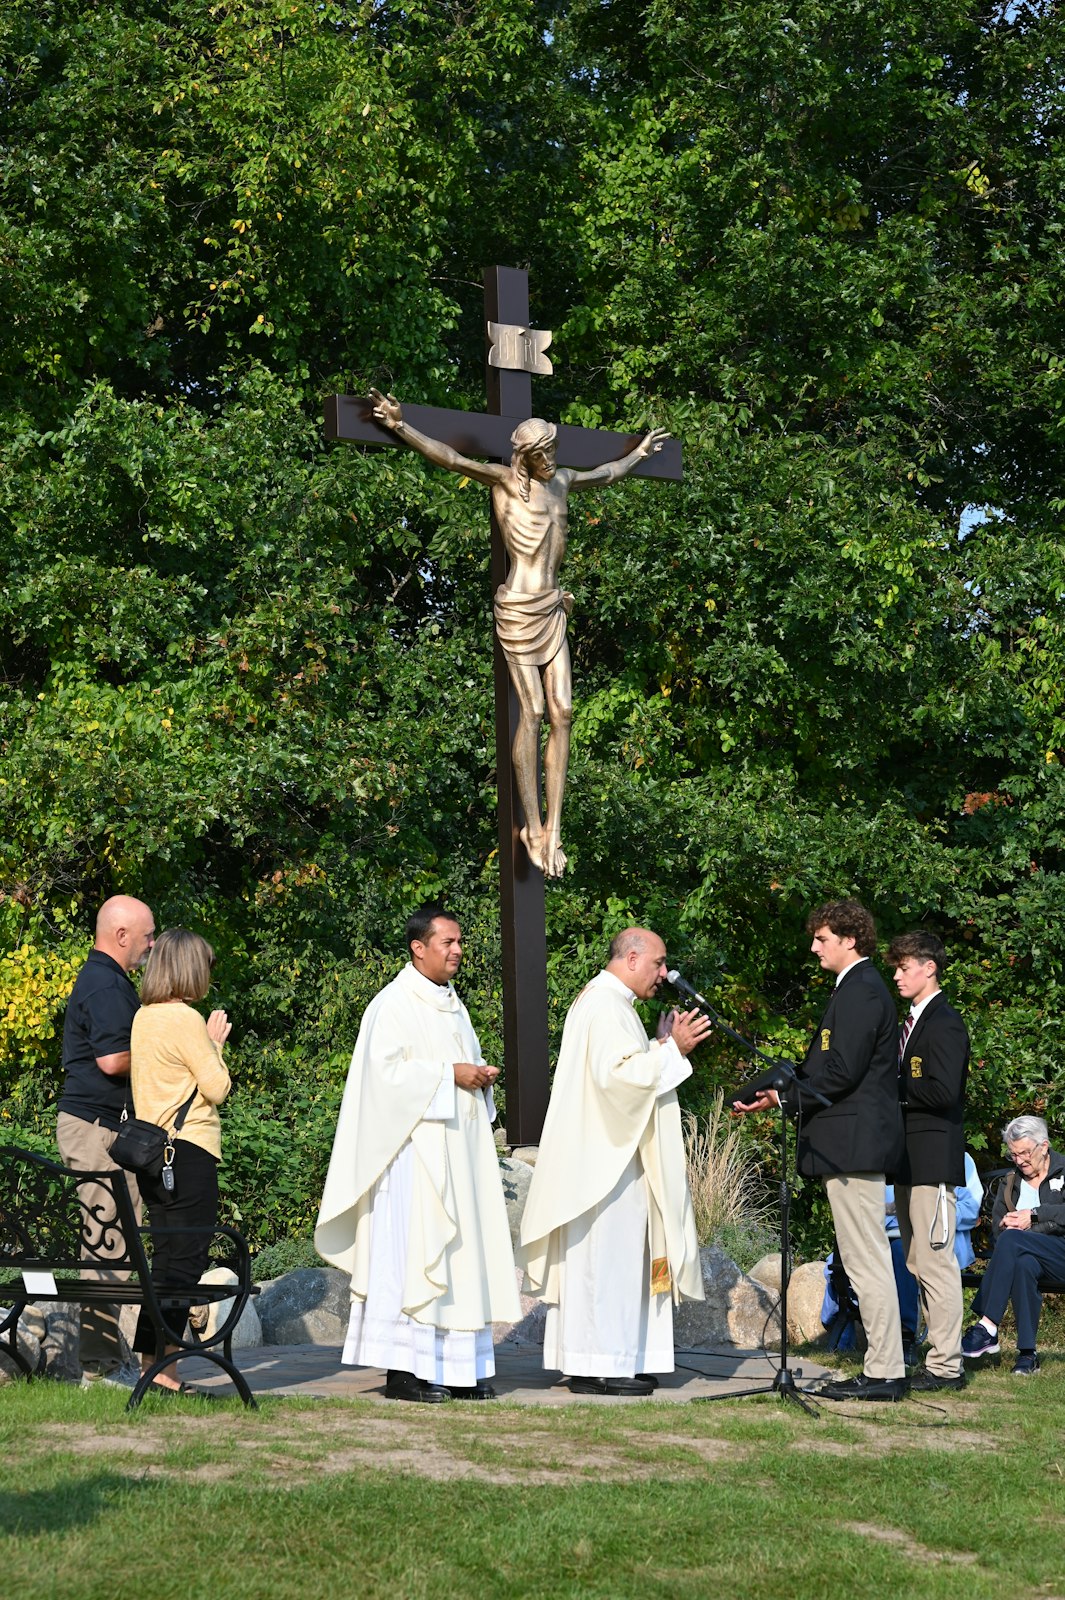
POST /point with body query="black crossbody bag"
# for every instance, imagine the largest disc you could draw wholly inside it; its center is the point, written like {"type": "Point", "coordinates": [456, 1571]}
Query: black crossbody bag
{"type": "Point", "coordinates": [147, 1148]}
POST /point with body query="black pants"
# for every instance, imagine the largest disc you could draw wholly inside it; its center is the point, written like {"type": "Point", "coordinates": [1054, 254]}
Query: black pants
{"type": "Point", "coordinates": [194, 1204]}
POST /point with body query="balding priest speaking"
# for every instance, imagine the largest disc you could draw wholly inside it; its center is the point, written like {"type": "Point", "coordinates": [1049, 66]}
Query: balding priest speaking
{"type": "Point", "coordinates": [608, 1235]}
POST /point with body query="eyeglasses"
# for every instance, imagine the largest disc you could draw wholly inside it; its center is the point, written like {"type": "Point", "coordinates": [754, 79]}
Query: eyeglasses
{"type": "Point", "coordinates": [1026, 1155]}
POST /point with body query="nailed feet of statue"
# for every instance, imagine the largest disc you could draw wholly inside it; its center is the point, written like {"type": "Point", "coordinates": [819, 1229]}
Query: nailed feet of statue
{"type": "Point", "coordinates": [552, 859]}
{"type": "Point", "coordinates": [544, 850]}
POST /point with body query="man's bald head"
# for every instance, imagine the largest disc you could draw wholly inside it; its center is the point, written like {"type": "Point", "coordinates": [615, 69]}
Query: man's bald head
{"type": "Point", "coordinates": [638, 958]}
{"type": "Point", "coordinates": [628, 939]}
{"type": "Point", "coordinates": [125, 930]}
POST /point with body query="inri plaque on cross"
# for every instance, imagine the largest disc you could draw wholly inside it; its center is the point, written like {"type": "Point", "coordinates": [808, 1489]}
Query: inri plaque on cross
{"type": "Point", "coordinates": [513, 352]}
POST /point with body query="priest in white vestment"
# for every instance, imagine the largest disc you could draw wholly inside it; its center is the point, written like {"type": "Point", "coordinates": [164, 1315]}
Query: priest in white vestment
{"type": "Point", "coordinates": [608, 1235]}
{"type": "Point", "coordinates": [413, 1205]}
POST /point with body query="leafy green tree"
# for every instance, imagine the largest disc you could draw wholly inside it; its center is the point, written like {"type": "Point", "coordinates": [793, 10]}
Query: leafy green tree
{"type": "Point", "coordinates": [247, 674]}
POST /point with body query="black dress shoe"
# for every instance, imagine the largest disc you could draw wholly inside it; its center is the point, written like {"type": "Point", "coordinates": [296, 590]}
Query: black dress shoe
{"type": "Point", "coordinates": [623, 1386]}
{"type": "Point", "coordinates": [647, 1377]}
{"type": "Point", "coordinates": [929, 1381]}
{"type": "Point", "coordinates": [405, 1386]}
{"type": "Point", "coordinates": [864, 1388]}
{"type": "Point", "coordinates": [480, 1391]}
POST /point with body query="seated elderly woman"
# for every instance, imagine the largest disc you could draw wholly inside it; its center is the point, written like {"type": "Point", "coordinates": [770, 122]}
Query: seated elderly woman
{"type": "Point", "coordinates": [1029, 1228]}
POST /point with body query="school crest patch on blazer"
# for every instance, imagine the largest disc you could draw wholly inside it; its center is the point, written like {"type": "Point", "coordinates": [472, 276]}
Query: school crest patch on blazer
{"type": "Point", "coordinates": [826, 1038]}
{"type": "Point", "coordinates": [915, 1066]}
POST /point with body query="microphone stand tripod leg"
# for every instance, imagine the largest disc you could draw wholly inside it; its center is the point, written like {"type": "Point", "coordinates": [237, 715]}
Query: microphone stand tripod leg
{"type": "Point", "coordinates": [784, 1382]}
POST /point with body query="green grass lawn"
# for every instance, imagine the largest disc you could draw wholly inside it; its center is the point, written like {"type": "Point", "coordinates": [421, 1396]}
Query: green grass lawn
{"type": "Point", "coordinates": [961, 1497]}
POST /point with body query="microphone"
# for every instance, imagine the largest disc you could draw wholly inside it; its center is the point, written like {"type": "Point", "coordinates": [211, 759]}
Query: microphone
{"type": "Point", "coordinates": [781, 1073]}
{"type": "Point", "coordinates": [682, 985]}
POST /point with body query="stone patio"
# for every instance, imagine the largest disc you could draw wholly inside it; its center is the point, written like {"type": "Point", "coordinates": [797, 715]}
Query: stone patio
{"type": "Point", "coordinates": [314, 1372]}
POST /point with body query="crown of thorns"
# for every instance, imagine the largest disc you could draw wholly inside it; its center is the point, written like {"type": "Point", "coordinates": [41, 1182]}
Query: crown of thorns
{"type": "Point", "coordinates": [534, 434]}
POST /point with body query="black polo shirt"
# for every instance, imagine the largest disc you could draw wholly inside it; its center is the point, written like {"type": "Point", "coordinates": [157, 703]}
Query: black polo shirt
{"type": "Point", "coordinates": [100, 1012]}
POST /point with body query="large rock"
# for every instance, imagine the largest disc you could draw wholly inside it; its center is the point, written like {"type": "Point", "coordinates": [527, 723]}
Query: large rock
{"type": "Point", "coordinates": [61, 1340]}
{"type": "Point", "coordinates": [34, 1321]}
{"type": "Point", "coordinates": [529, 1329]}
{"type": "Point", "coordinates": [736, 1309]}
{"type": "Point", "coordinates": [516, 1177]}
{"type": "Point", "coordinates": [767, 1272]}
{"type": "Point", "coordinates": [309, 1306]}
{"type": "Point", "coordinates": [248, 1333]}
{"type": "Point", "coordinates": [806, 1292]}
{"type": "Point", "coordinates": [61, 1344]}
{"type": "Point", "coordinates": [527, 1153]}
{"type": "Point", "coordinates": [29, 1348]}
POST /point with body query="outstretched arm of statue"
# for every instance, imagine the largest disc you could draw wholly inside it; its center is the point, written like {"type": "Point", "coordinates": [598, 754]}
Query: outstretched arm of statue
{"type": "Point", "coordinates": [611, 471]}
{"type": "Point", "coordinates": [387, 409]}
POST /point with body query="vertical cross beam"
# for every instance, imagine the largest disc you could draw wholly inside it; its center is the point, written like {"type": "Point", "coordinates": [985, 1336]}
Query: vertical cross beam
{"type": "Point", "coordinates": [521, 887]}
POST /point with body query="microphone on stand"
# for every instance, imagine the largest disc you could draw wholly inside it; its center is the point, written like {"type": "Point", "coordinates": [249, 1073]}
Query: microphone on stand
{"type": "Point", "coordinates": [684, 987]}
{"type": "Point", "coordinates": [780, 1072]}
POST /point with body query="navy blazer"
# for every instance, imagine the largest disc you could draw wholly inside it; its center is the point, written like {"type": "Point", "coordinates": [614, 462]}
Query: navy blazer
{"type": "Point", "coordinates": [932, 1079]}
{"type": "Point", "coordinates": [853, 1061]}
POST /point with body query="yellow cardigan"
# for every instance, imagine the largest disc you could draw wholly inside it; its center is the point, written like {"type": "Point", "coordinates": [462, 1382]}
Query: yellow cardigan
{"type": "Point", "coordinates": [171, 1053]}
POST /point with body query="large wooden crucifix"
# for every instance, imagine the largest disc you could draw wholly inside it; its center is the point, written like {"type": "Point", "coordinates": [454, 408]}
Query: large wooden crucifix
{"type": "Point", "coordinates": [513, 352]}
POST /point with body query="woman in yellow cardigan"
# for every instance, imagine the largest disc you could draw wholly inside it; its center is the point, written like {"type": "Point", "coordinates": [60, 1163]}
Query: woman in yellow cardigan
{"type": "Point", "coordinates": [176, 1057]}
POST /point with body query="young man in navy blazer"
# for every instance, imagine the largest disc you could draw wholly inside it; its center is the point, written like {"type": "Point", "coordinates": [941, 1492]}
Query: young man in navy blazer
{"type": "Point", "coordinates": [933, 1068]}
{"type": "Point", "coordinates": [856, 1139]}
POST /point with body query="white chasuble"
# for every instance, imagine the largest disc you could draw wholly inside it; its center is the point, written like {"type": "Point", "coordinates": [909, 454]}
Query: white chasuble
{"type": "Point", "coordinates": [608, 1235]}
{"type": "Point", "coordinates": [413, 1205]}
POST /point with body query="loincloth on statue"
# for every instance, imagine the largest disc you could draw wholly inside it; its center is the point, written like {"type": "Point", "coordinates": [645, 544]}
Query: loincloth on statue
{"type": "Point", "coordinates": [531, 627]}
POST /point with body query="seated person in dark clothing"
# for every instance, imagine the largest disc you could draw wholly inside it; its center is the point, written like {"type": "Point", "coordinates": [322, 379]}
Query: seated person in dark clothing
{"type": "Point", "coordinates": [1029, 1229]}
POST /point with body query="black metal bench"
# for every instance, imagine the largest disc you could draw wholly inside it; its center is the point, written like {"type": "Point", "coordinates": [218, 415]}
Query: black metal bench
{"type": "Point", "coordinates": [46, 1231]}
{"type": "Point", "coordinates": [973, 1277]}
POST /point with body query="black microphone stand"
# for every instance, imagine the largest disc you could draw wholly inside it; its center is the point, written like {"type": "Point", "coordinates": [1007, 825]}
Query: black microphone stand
{"type": "Point", "coordinates": [779, 1075]}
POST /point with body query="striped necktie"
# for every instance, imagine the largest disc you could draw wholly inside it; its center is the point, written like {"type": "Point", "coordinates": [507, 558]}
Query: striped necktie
{"type": "Point", "coordinates": [907, 1029]}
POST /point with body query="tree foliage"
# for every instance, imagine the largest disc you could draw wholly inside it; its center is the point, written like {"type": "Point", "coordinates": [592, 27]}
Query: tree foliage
{"type": "Point", "coordinates": [247, 675]}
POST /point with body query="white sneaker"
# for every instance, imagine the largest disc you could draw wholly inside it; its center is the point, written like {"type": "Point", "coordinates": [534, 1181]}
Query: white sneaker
{"type": "Point", "coordinates": [124, 1377]}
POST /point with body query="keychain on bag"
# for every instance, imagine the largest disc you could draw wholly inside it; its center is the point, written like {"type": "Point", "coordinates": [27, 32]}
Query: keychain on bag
{"type": "Point", "coordinates": [147, 1148]}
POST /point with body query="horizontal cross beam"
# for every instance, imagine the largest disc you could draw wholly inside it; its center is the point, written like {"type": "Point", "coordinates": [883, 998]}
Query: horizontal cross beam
{"type": "Point", "coordinates": [350, 417]}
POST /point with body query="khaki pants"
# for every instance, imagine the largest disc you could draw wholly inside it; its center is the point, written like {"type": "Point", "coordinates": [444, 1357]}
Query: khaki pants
{"type": "Point", "coordinates": [857, 1201]}
{"type": "Point", "coordinates": [937, 1272]}
{"type": "Point", "coordinates": [85, 1147]}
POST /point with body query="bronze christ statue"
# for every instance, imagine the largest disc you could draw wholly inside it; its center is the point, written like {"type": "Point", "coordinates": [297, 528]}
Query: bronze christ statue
{"type": "Point", "coordinates": [530, 498]}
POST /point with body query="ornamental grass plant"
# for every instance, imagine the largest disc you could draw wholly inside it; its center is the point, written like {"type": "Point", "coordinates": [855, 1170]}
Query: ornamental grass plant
{"type": "Point", "coordinates": [732, 1206]}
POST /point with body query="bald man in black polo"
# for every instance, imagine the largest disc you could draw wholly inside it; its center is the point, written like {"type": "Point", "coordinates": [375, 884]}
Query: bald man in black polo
{"type": "Point", "coordinates": [96, 1030]}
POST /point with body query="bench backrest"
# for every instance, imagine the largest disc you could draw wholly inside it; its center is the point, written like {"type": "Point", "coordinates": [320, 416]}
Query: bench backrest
{"type": "Point", "coordinates": [46, 1220]}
